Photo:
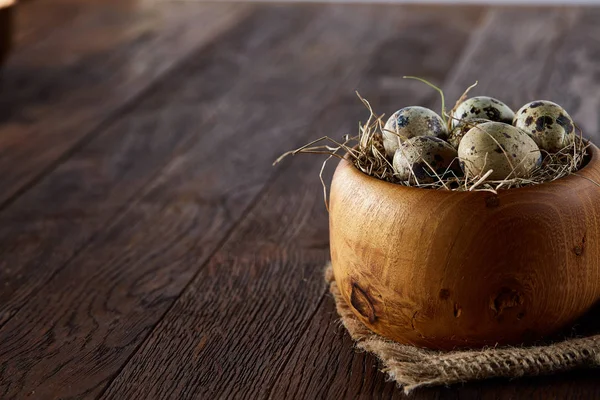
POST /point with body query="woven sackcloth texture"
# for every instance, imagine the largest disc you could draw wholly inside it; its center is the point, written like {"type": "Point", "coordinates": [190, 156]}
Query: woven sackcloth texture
{"type": "Point", "coordinates": [413, 367]}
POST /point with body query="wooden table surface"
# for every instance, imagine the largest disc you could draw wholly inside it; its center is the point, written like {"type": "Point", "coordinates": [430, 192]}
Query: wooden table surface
{"type": "Point", "coordinates": [148, 249]}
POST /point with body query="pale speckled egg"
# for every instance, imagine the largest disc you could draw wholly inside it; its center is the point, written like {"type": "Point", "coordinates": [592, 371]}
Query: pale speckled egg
{"type": "Point", "coordinates": [483, 107]}
{"type": "Point", "coordinates": [501, 148]}
{"type": "Point", "coordinates": [547, 123]}
{"type": "Point", "coordinates": [417, 159]}
{"type": "Point", "coordinates": [409, 122]}
{"type": "Point", "coordinates": [458, 132]}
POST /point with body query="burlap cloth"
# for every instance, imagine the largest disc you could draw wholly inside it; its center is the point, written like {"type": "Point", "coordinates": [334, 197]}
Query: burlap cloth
{"type": "Point", "coordinates": [412, 367]}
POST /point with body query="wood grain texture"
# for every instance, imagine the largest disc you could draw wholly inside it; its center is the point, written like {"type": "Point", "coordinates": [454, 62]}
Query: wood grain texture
{"type": "Point", "coordinates": [324, 365]}
{"type": "Point", "coordinates": [488, 269]}
{"type": "Point", "coordinates": [36, 21]}
{"type": "Point", "coordinates": [512, 55]}
{"type": "Point", "coordinates": [109, 295]}
{"type": "Point", "coordinates": [193, 219]}
{"type": "Point", "coordinates": [270, 267]}
{"type": "Point", "coordinates": [54, 221]}
{"type": "Point", "coordinates": [210, 349]}
{"type": "Point", "coordinates": [574, 80]}
{"type": "Point", "coordinates": [129, 259]}
{"type": "Point", "coordinates": [57, 92]}
{"type": "Point", "coordinates": [345, 373]}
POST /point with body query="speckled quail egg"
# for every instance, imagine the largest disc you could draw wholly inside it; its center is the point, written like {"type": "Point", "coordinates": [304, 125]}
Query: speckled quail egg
{"type": "Point", "coordinates": [482, 107]}
{"type": "Point", "coordinates": [547, 123]}
{"type": "Point", "coordinates": [409, 122]}
{"type": "Point", "coordinates": [506, 150]}
{"type": "Point", "coordinates": [419, 157]}
{"type": "Point", "coordinates": [458, 132]}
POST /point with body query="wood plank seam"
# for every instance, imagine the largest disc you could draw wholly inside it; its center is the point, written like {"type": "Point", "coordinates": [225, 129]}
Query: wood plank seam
{"type": "Point", "coordinates": [471, 44]}
{"type": "Point", "coordinates": [97, 132]}
{"type": "Point", "coordinates": [80, 144]}
{"type": "Point", "coordinates": [268, 170]}
{"type": "Point", "coordinates": [244, 215]}
{"type": "Point", "coordinates": [114, 116]}
{"type": "Point", "coordinates": [559, 43]}
{"type": "Point", "coordinates": [217, 248]}
{"type": "Point", "coordinates": [291, 353]}
{"type": "Point", "coordinates": [129, 204]}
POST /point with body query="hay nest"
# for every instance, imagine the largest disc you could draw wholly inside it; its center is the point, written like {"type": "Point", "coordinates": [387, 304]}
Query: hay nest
{"type": "Point", "coordinates": [365, 150]}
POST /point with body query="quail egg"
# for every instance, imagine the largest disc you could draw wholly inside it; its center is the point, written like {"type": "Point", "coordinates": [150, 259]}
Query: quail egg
{"type": "Point", "coordinates": [421, 158]}
{"type": "Point", "coordinates": [547, 123]}
{"type": "Point", "coordinates": [506, 150]}
{"type": "Point", "coordinates": [409, 122]}
{"type": "Point", "coordinates": [483, 107]}
{"type": "Point", "coordinates": [457, 133]}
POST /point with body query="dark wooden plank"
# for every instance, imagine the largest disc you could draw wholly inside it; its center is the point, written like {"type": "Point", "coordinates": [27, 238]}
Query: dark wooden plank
{"type": "Point", "coordinates": [35, 21]}
{"type": "Point", "coordinates": [38, 21]}
{"type": "Point", "coordinates": [349, 374]}
{"type": "Point", "coordinates": [327, 347]}
{"type": "Point", "coordinates": [512, 54]}
{"type": "Point", "coordinates": [578, 385]}
{"type": "Point", "coordinates": [77, 330]}
{"type": "Point", "coordinates": [55, 92]}
{"type": "Point", "coordinates": [233, 329]}
{"type": "Point", "coordinates": [53, 222]}
{"type": "Point", "coordinates": [575, 78]}
{"type": "Point", "coordinates": [325, 365]}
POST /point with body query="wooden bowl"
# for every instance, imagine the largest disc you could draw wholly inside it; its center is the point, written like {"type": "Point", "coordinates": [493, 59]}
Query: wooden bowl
{"type": "Point", "coordinates": [443, 270]}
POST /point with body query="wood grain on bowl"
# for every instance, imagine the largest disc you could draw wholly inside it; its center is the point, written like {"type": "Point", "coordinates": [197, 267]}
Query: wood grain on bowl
{"type": "Point", "coordinates": [445, 269]}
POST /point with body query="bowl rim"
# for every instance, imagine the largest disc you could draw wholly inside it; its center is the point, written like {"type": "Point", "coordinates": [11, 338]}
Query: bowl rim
{"type": "Point", "coordinates": [593, 163]}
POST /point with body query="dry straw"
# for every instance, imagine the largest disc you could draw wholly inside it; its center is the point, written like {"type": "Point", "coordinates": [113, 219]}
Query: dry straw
{"type": "Point", "coordinates": [366, 152]}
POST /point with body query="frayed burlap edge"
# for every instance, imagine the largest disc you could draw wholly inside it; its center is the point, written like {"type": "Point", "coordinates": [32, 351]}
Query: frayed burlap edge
{"type": "Point", "coordinates": [412, 367]}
